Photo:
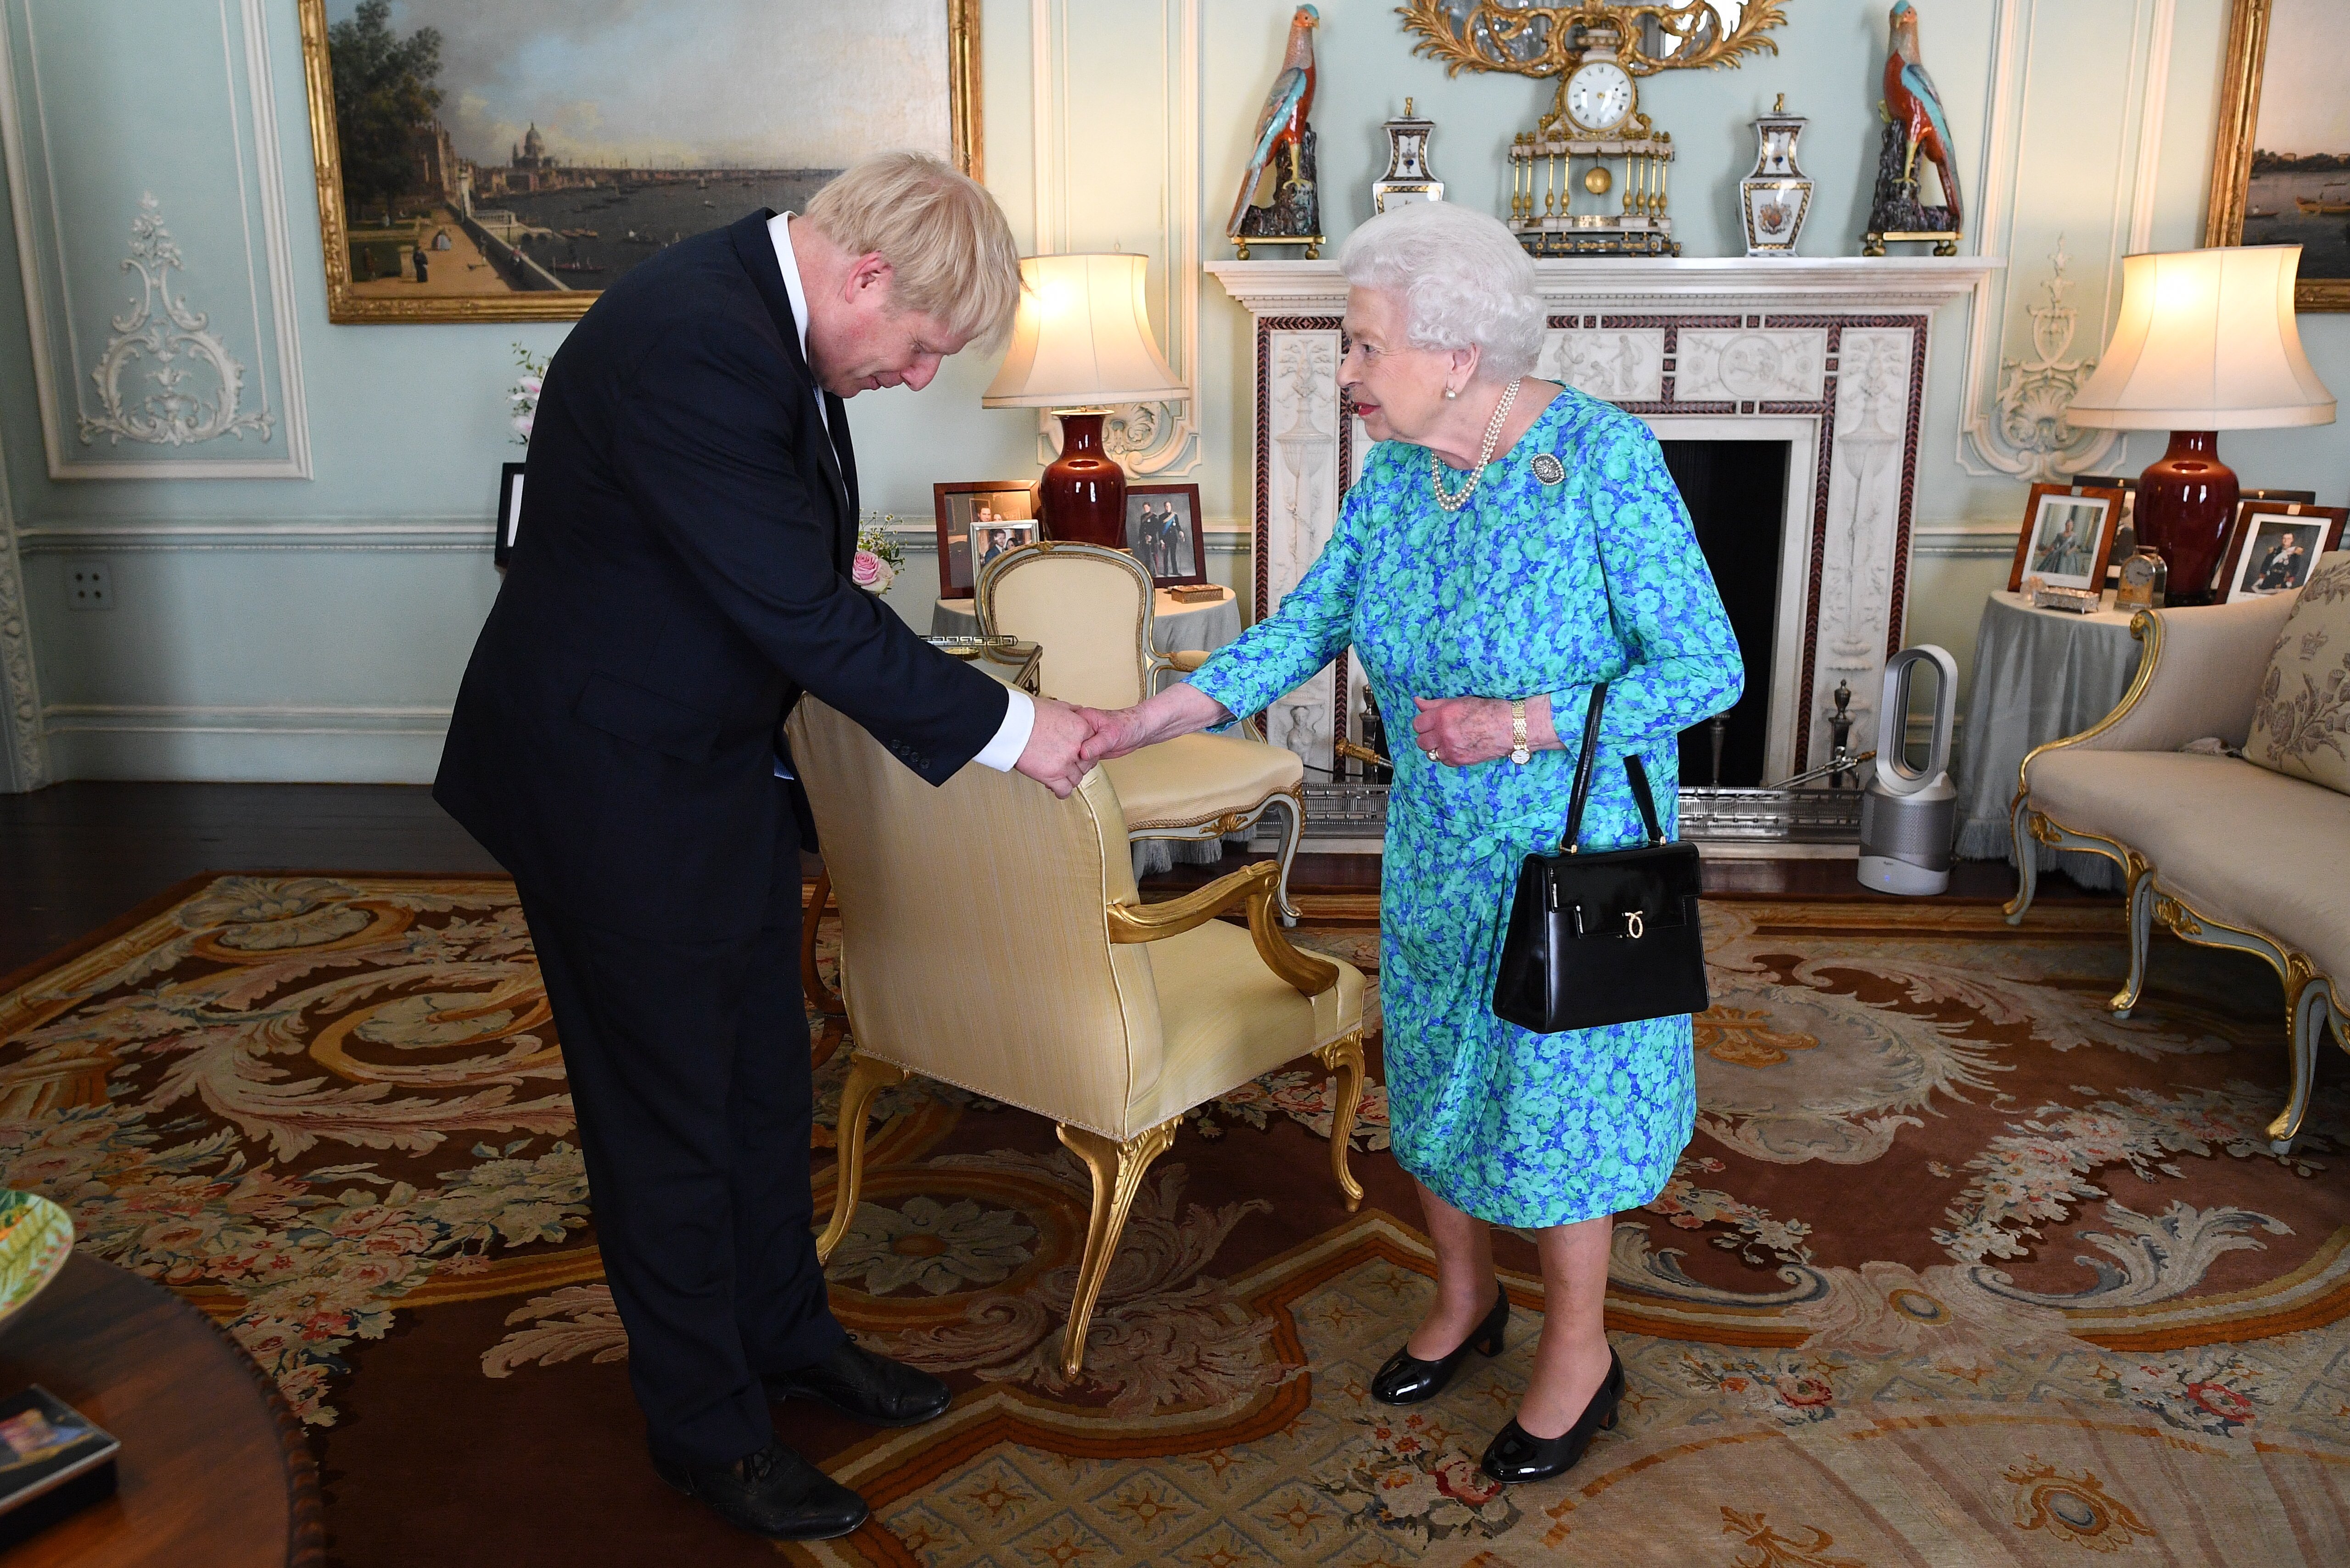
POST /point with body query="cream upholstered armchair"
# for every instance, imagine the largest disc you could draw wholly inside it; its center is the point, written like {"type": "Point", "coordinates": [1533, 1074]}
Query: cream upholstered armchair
{"type": "Point", "coordinates": [991, 937]}
{"type": "Point", "coordinates": [1090, 610]}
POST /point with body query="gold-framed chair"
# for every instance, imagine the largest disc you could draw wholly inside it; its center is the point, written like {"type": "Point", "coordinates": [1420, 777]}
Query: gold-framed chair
{"type": "Point", "coordinates": [991, 937]}
{"type": "Point", "coordinates": [1091, 608]}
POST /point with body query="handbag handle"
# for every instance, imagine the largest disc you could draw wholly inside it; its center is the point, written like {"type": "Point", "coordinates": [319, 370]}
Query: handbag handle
{"type": "Point", "coordinates": [1634, 770]}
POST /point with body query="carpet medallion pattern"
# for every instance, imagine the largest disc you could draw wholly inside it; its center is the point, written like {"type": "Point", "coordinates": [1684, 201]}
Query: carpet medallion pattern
{"type": "Point", "coordinates": [1958, 1268]}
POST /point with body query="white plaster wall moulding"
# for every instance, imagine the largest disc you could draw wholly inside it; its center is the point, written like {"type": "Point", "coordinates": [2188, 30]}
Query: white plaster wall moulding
{"type": "Point", "coordinates": [1829, 355]}
{"type": "Point", "coordinates": [204, 363]}
{"type": "Point", "coordinates": [1155, 149]}
{"type": "Point", "coordinates": [2034, 335]}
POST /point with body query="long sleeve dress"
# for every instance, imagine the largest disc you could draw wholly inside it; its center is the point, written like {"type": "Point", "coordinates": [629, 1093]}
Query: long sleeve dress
{"type": "Point", "coordinates": [1530, 588]}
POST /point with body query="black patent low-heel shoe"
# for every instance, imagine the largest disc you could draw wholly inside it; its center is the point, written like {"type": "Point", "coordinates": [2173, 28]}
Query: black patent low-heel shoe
{"type": "Point", "coordinates": [1517, 1455]}
{"type": "Point", "coordinates": [1406, 1380]}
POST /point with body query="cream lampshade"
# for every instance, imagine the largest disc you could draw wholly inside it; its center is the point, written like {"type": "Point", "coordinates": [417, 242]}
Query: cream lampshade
{"type": "Point", "coordinates": [2206, 341]}
{"type": "Point", "coordinates": [1081, 343]}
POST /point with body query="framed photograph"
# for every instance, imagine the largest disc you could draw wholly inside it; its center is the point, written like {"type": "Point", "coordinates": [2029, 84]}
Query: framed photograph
{"type": "Point", "coordinates": [2274, 544]}
{"type": "Point", "coordinates": [990, 539]}
{"type": "Point", "coordinates": [509, 511]}
{"type": "Point", "coordinates": [509, 162]}
{"type": "Point", "coordinates": [2068, 531]}
{"type": "Point", "coordinates": [2281, 171]}
{"type": "Point", "coordinates": [970, 505]}
{"type": "Point", "coordinates": [1162, 531]}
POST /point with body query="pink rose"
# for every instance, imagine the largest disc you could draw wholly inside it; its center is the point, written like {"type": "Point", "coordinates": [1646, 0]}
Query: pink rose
{"type": "Point", "coordinates": [871, 573]}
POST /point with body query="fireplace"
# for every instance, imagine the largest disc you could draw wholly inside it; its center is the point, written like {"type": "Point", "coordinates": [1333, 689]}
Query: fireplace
{"type": "Point", "coordinates": [1810, 370]}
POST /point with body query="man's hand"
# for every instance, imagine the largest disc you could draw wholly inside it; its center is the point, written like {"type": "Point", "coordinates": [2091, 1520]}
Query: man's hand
{"type": "Point", "coordinates": [1055, 756]}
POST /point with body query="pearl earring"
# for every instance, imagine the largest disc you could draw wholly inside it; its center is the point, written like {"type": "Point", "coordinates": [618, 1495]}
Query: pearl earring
{"type": "Point", "coordinates": [1451, 391]}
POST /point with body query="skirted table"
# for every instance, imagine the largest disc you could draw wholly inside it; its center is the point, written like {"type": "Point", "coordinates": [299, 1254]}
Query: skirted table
{"type": "Point", "coordinates": [2040, 675]}
{"type": "Point", "coordinates": [1174, 625]}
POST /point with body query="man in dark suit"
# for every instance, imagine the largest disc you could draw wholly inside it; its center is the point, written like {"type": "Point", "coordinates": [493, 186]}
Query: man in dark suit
{"type": "Point", "coordinates": [681, 577]}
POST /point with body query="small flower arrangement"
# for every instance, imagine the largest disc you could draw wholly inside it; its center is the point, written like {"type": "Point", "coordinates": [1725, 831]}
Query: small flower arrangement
{"type": "Point", "coordinates": [880, 557]}
{"type": "Point", "coordinates": [523, 395]}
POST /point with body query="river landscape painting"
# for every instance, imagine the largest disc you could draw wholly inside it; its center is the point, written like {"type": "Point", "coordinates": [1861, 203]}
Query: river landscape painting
{"type": "Point", "coordinates": [507, 162]}
{"type": "Point", "coordinates": [2281, 176]}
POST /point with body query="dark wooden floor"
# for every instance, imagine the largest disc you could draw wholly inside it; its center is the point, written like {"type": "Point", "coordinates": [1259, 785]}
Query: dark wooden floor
{"type": "Point", "coordinates": [75, 857]}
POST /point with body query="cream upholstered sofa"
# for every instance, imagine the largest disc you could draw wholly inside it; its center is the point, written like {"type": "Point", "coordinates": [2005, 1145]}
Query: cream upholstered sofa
{"type": "Point", "coordinates": [991, 937]}
{"type": "Point", "coordinates": [2221, 849]}
{"type": "Point", "coordinates": [1090, 610]}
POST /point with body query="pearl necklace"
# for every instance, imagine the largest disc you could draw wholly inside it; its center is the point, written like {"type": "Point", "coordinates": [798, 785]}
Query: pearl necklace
{"type": "Point", "coordinates": [1484, 455]}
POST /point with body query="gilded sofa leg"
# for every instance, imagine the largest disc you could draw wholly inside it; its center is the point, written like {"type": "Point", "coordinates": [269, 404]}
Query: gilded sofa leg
{"type": "Point", "coordinates": [1294, 808]}
{"type": "Point", "coordinates": [2027, 857]}
{"type": "Point", "coordinates": [867, 1078]}
{"type": "Point", "coordinates": [2141, 932]}
{"type": "Point", "coordinates": [826, 1000]}
{"type": "Point", "coordinates": [1117, 1170]}
{"type": "Point", "coordinates": [1343, 1057]}
{"type": "Point", "coordinates": [2305, 1011]}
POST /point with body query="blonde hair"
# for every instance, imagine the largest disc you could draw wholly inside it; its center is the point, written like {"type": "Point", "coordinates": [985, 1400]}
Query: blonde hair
{"type": "Point", "coordinates": [948, 249]}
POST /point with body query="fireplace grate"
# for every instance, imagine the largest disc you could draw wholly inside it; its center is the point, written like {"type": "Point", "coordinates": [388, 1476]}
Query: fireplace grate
{"type": "Point", "coordinates": [1356, 810]}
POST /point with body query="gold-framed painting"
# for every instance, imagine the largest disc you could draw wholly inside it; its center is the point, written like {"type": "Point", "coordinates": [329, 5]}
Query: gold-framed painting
{"type": "Point", "coordinates": [2280, 170]}
{"type": "Point", "coordinates": [509, 162]}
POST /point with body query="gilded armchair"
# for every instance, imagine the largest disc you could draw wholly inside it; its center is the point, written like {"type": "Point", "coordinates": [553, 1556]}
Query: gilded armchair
{"type": "Point", "coordinates": [1090, 608]}
{"type": "Point", "coordinates": [991, 937]}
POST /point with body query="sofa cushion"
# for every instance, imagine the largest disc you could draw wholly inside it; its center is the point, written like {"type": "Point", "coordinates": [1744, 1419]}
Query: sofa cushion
{"type": "Point", "coordinates": [2301, 724]}
{"type": "Point", "coordinates": [2237, 843]}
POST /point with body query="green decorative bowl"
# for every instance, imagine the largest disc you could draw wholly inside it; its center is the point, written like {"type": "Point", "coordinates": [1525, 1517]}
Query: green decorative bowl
{"type": "Point", "coordinates": [35, 1238]}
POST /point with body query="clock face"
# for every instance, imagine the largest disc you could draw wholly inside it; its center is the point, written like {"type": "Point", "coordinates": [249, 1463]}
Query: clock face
{"type": "Point", "coordinates": [1599, 95]}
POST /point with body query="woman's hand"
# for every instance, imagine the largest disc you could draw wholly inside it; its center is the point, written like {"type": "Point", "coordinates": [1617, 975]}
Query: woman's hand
{"type": "Point", "coordinates": [1459, 731]}
{"type": "Point", "coordinates": [1177, 711]}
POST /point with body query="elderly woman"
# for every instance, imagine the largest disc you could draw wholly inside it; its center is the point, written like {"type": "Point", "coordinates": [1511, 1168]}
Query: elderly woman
{"type": "Point", "coordinates": [1511, 544]}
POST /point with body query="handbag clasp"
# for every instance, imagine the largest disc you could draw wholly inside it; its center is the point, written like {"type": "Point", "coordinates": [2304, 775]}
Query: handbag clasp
{"type": "Point", "coordinates": [1634, 926]}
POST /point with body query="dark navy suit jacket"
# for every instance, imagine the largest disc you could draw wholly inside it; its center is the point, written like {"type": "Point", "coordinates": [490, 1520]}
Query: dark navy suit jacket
{"type": "Point", "coordinates": [678, 578]}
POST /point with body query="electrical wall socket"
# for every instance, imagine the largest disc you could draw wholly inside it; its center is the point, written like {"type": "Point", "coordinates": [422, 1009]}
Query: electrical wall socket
{"type": "Point", "coordinates": [89, 585]}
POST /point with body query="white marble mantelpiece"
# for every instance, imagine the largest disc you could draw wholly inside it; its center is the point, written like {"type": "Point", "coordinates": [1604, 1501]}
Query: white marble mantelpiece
{"type": "Point", "coordinates": [1827, 353]}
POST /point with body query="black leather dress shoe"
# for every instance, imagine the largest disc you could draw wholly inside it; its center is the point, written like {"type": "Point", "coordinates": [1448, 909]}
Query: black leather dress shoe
{"type": "Point", "coordinates": [871, 1388]}
{"type": "Point", "coordinates": [1405, 1379]}
{"type": "Point", "coordinates": [1517, 1455]}
{"type": "Point", "coordinates": [773, 1492]}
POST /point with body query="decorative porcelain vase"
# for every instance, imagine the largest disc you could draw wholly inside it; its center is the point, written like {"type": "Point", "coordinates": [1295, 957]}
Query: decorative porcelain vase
{"type": "Point", "coordinates": [1773, 201]}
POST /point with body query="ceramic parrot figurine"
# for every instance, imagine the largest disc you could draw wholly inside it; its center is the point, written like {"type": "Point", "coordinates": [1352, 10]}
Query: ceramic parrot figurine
{"type": "Point", "coordinates": [1282, 122]}
{"type": "Point", "coordinates": [1911, 102]}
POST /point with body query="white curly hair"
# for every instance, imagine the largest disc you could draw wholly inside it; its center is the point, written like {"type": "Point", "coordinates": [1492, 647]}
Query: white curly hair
{"type": "Point", "coordinates": [1464, 283]}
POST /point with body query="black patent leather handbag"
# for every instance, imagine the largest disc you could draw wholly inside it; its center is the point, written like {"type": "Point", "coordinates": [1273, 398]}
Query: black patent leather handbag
{"type": "Point", "coordinates": [1605, 935]}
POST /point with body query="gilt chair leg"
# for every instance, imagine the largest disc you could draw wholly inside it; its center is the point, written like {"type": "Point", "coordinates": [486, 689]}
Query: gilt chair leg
{"type": "Point", "coordinates": [2141, 932]}
{"type": "Point", "coordinates": [1343, 1057]}
{"type": "Point", "coordinates": [1117, 1170]}
{"type": "Point", "coordinates": [1293, 811]}
{"type": "Point", "coordinates": [826, 1000]}
{"type": "Point", "coordinates": [867, 1078]}
{"type": "Point", "coordinates": [2305, 1017]}
{"type": "Point", "coordinates": [2027, 858]}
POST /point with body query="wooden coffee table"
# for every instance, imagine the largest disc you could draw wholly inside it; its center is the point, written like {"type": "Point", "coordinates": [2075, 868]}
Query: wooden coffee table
{"type": "Point", "coordinates": [214, 1471]}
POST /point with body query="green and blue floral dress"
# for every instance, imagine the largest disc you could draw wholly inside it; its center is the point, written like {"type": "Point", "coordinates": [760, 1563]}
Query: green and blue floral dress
{"type": "Point", "coordinates": [1530, 588]}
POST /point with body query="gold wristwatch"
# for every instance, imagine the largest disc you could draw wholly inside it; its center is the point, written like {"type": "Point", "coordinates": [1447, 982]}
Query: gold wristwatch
{"type": "Point", "coordinates": [1520, 753]}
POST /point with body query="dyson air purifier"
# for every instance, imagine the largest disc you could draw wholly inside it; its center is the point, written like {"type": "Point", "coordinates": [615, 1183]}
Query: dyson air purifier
{"type": "Point", "coordinates": [1908, 816]}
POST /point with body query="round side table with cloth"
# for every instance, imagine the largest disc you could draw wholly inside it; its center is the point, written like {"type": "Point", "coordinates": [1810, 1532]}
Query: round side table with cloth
{"type": "Point", "coordinates": [2040, 675]}
{"type": "Point", "coordinates": [1175, 626]}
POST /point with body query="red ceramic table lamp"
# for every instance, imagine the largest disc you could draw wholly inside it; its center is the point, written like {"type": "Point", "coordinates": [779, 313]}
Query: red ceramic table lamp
{"type": "Point", "coordinates": [1081, 345]}
{"type": "Point", "coordinates": [2206, 341]}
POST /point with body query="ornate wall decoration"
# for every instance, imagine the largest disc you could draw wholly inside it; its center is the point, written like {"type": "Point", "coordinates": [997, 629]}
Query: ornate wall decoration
{"type": "Point", "coordinates": [163, 389]}
{"type": "Point", "coordinates": [1619, 366]}
{"type": "Point", "coordinates": [24, 766]}
{"type": "Point", "coordinates": [1541, 41]}
{"type": "Point", "coordinates": [196, 382]}
{"type": "Point", "coordinates": [2034, 393]}
{"type": "Point", "coordinates": [1776, 366]}
{"type": "Point", "coordinates": [1302, 478]}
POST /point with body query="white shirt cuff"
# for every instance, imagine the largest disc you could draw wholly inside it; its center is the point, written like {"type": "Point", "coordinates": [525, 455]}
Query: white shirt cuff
{"type": "Point", "coordinates": [1011, 735]}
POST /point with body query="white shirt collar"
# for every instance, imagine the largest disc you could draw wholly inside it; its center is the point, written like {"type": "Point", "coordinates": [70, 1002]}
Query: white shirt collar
{"type": "Point", "coordinates": [779, 231]}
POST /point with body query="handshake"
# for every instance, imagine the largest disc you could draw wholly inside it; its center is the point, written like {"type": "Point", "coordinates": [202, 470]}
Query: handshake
{"type": "Point", "coordinates": [1068, 741]}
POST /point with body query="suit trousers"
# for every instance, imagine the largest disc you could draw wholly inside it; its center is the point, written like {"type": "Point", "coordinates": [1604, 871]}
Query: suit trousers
{"type": "Point", "coordinates": [689, 1072]}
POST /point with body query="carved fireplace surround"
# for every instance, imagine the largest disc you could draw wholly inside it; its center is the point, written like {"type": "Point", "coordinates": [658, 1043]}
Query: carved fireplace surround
{"type": "Point", "coordinates": [1828, 355]}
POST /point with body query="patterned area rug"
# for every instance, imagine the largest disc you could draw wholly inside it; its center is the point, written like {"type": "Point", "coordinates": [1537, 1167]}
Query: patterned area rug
{"type": "Point", "coordinates": [1959, 1269]}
